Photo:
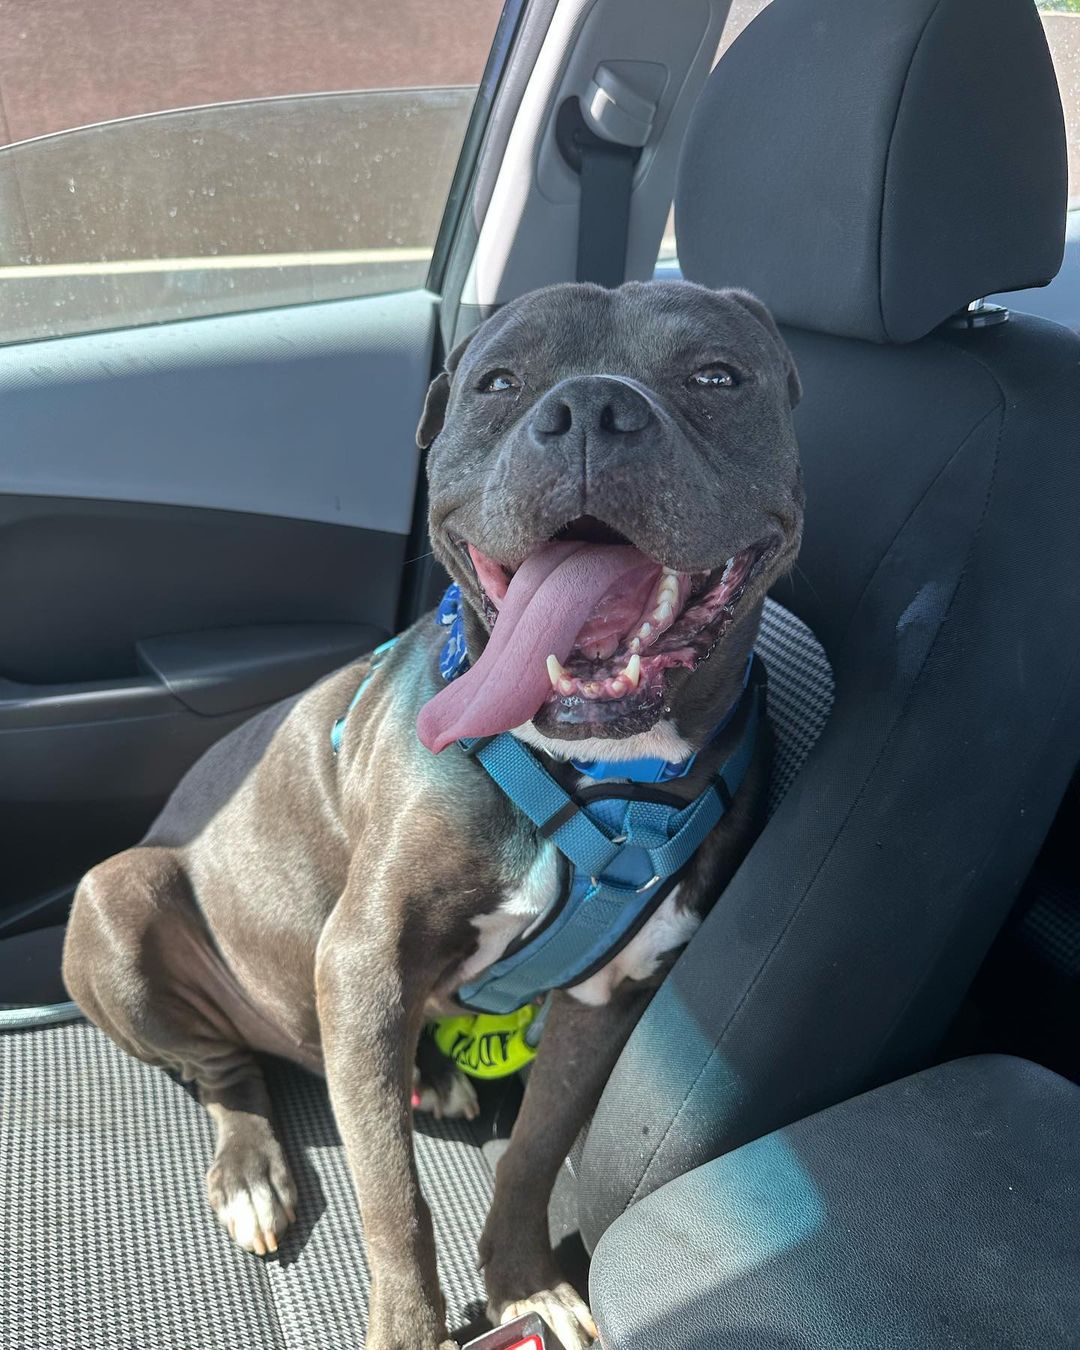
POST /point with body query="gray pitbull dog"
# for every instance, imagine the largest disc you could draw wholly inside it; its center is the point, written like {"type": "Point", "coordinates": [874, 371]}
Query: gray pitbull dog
{"type": "Point", "coordinates": [614, 479]}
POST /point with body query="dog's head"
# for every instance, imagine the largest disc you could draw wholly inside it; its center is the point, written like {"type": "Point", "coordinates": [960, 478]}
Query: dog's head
{"type": "Point", "coordinates": [614, 483]}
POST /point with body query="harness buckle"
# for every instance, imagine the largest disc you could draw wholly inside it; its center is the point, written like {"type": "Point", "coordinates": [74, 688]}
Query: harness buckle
{"type": "Point", "coordinates": [638, 890]}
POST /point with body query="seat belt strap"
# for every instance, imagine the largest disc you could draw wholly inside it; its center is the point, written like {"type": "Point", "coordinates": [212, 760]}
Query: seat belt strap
{"type": "Point", "coordinates": [607, 181]}
{"type": "Point", "coordinates": [605, 170]}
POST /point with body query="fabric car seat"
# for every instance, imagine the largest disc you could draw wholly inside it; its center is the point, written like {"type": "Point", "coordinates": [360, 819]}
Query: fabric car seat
{"type": "Point", "coordinates": [870, 170]}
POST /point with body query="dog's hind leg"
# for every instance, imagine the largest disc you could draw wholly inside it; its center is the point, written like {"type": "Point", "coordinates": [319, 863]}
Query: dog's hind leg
{"type": "Point", "coordinates": [132, 963]}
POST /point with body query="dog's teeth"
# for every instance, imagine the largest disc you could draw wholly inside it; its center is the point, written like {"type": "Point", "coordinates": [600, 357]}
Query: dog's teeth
{"type": "Point", "coordinates": [555, 670]}
{"type": "Point", "coordinates": [617, 687]}
{"type": "Point", "coordinates": [634, 644]}
{"type": "Point", "coordinates": [632, 673]}
{"type": "Point", "coordinates": [645, 631]}
{"type": "Point", "coordinates": [567, 685]}
{"type": "Point", "coordinates": [663, 612]}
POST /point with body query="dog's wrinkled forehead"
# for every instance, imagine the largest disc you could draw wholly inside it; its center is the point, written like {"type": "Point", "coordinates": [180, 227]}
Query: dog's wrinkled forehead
{"type": "Point", "coordinates": [644, 330]}
{"type": "Point", "coordinates": [654, 332]}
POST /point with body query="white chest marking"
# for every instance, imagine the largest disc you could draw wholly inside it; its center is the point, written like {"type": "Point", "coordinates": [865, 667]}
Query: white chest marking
{"type": "Point", "coordinates": [666, 930]}
{"type": "Point", "coordinates": [661, 742]}
{"type": "Point", "coordinates": [521, 908]}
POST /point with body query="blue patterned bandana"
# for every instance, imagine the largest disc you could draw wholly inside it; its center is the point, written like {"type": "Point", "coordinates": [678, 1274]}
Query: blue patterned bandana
{"type": "Point", "coordinates": [454, 658]}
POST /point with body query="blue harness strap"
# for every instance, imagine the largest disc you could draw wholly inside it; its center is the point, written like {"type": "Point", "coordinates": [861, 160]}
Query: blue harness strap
{"type": "Point", "coordinates": [337, 731]}
{"type": "Point", "coordinates": [627, 849]}
{"type": "Point", "coordinates": [627, 841]}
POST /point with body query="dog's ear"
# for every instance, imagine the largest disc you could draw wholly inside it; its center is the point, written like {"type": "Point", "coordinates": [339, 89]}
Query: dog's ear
{"type": "Point", "coordinates": [438, 394]}
{"type": "Point", "coordinates": [759, 311]}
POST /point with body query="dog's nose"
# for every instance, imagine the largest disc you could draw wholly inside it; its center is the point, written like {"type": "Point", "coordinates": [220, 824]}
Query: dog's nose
{"type": "Point", "coordinates": [589, 405]}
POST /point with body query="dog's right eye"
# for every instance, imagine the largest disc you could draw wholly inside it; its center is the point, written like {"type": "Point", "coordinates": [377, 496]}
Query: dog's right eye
{"type": "Point", "coordinates": [498, 382]}
{"type": "Point", "coordinates": [714, 376]}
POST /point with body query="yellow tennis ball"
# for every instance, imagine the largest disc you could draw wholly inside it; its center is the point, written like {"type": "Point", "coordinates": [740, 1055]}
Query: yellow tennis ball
{"type": "Point", "coordinates": [486, 1045]}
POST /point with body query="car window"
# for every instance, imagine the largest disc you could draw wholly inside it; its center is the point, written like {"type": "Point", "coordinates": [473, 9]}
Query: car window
{"type": "Point", "coordinates": [1061, 20]}
{"type": "Point", "coordinates": [165, 162]}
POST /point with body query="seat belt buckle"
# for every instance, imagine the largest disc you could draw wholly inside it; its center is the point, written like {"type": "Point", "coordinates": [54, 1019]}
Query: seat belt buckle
{"type": "Point", "coordinates": [530, 1332]}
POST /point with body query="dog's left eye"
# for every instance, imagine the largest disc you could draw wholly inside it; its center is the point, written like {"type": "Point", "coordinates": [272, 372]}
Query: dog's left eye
{"type": "Point", "coordinates": [498, 381]}
{"type": "Point", "coordinates": [714, 376]}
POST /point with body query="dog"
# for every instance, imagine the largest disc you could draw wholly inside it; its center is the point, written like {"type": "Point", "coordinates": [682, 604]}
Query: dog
{"type": "Point", "coordinates": [614, 484]}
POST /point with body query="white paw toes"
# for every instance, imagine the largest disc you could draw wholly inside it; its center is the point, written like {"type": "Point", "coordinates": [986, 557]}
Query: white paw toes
{"type": "Point", "coordinates": [457, 1101]}
{"type": "Point", "coordinates": [256, 1204]}
{"type": "Point", "coordinates": [461, 1100]}
{"type": "Point", "coordinates": [565, 1312]}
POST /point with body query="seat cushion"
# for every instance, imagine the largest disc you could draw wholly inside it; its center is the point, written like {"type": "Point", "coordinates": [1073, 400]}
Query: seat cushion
{"type": "Point", "coordinates": [108, 1237]}
{"type": "Point", "coordinates": [935, 1213]}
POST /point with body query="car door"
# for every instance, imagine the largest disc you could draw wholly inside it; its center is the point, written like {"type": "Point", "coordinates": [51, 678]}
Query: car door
{"type": "Point", "coordinates": [217, 325]}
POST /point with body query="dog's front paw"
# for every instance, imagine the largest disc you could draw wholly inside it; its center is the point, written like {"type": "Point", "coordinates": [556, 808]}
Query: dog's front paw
{"type": "Point", "coordinates": [561, 1307]}
{"type": "Point", "coordinates": [252, 1193]}
{"type": "Point", "coordinates": [451, 1098]}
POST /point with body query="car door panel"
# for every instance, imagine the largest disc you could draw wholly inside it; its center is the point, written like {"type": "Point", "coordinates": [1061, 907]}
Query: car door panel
{"type": "Point", "coordinates": [196, 520]}
{"type": "Point", "coordinates": [270, 412]}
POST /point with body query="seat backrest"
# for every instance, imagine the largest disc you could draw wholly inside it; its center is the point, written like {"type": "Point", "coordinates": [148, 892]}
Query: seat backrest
{"type": "Point", "coordinates": [870, 168]}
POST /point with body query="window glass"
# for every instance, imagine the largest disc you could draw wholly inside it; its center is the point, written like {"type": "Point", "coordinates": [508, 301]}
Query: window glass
{"type": "Point", "coordinates": [166, 161]}
{"type": "Point", "coordinates": [1061, 20]}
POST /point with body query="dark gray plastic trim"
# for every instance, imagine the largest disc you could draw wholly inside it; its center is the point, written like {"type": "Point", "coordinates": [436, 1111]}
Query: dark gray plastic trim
{"type": "Point", "coordinates": [227, 670]}
{"type": "Point", "coordinates": [23, 706]}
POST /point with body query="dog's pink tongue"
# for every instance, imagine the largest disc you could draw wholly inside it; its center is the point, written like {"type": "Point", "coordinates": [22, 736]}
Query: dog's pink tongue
{"type": "Point", "coordinates": [552, 594]}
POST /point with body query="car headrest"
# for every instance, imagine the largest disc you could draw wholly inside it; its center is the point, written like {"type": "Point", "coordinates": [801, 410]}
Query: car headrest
{"type": "Point", "coordinates": [870, 167]}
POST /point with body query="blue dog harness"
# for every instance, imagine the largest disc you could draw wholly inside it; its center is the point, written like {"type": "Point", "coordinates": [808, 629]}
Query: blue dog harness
{"type": "Point", "coordinates": [626, 839]}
